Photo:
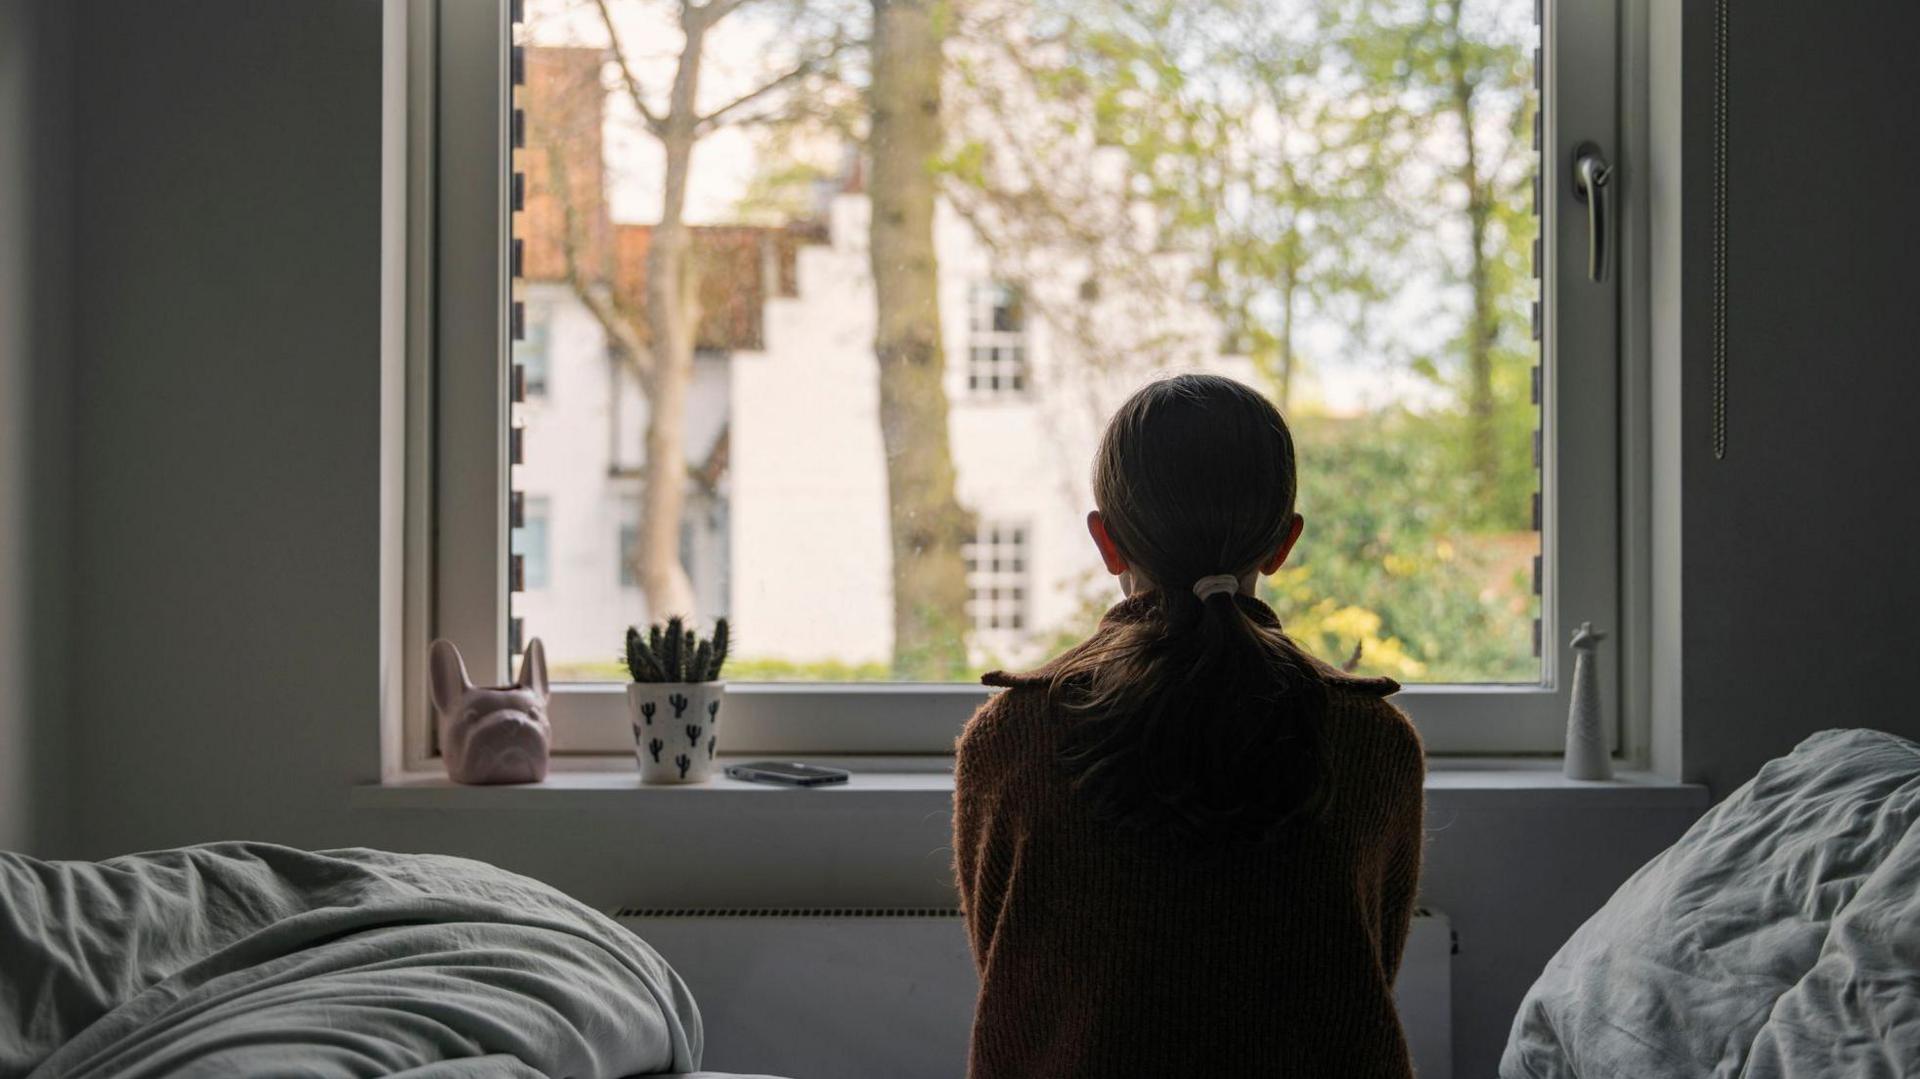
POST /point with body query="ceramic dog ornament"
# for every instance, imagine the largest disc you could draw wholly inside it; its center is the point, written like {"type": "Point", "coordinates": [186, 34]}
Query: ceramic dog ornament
{"type": "Point", "coordinates": [491, 734]}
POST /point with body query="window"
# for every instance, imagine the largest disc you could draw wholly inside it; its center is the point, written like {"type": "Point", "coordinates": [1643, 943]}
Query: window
{"type": "Point", "coordinates": [1316, 206]}
{"type": "Point", "coordinates": [530, 354]}
{"type": "Point", "coordinates": [997, 581]}
{"type": "Point", "coordinates": [530, 545]}
{"type": "Point", "coordinates": [623, 554]}
{"type": "Point", "coordinates": [996, 341]}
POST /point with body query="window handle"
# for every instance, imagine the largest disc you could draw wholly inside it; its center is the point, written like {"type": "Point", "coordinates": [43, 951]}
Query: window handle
{"type": "Point", "coordinates": [1592, 184]}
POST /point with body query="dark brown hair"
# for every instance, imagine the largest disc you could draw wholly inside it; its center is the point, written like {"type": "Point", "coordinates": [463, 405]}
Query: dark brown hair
{"type": "Point", "coordinates": [1199, 716]}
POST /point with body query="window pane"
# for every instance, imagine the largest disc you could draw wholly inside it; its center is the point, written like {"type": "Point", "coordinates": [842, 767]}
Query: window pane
{"type": "Point", "coordinates": [529, 541]}
{"type": "Point", "coordinates": [530, 352]}
{"type": "Point", "coordinates": [838, 374]}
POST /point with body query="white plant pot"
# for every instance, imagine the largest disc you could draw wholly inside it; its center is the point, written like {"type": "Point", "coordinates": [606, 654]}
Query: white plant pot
{"type": "Point", "coordinates": [676, 729]}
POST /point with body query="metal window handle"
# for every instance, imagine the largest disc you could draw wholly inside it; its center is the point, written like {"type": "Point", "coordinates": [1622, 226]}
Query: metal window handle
{"type": "Point", "coordinates": [1592, 184]}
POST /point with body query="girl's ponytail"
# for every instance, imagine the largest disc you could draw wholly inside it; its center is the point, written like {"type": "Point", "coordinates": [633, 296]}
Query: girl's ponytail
{"type": "Point", "coordinates": [1195, 714]}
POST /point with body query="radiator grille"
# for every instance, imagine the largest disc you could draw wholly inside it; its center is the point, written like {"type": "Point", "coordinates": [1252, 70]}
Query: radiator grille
{"type": "Point", "coordinates": [786, 912]}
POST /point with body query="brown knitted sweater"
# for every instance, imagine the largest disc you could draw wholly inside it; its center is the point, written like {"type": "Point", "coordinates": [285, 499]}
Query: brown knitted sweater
{"type": "Point", "coordinates": [1104, 952]}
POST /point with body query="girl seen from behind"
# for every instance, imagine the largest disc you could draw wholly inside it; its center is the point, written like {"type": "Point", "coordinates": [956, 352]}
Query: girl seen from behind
{"type": "Point", "coordinates": [1185, 846]}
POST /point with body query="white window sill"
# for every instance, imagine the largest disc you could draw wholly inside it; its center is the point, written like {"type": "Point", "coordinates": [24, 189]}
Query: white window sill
{"type": "Point", "coordinates": [923, 784]}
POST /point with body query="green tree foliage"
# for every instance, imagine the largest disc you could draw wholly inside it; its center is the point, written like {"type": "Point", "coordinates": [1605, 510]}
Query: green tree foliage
{"type": "Point", "coordinates": [1359, 166]}
{"type": "Point", "coordinates": [1452, 79]}
{"type": "Point", "coordinates": [1389, 564]}
{"type": "Point", "coordinates": [1257, 152]}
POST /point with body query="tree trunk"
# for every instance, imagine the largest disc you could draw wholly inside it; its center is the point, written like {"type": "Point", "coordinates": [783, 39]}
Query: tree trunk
{"type": "Point", "coordinates": [1482, 453]}
{"type": "Point", "coordinates": [1289, 289]}
{"type": "Point", "coordinates": [671, 319]}
{"type": "Point", "coordinates": [927, 523]}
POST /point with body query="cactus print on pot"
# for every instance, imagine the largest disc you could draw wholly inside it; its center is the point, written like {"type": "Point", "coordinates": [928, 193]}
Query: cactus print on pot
{"type": "Point", "coordinates": [670, 752]}
{"type": "Point", "coordinates": [675, 699]}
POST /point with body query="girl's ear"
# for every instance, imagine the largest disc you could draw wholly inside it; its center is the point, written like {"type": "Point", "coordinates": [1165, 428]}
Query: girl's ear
{"type": "Point", "coordinates": [533, 668]}
{"type": "Point", "coordinates": [1110, 554]}
{"type": "Point", "coordinates": [1279, 556]}
{"type": "Point", "coordinates": [446, 675]}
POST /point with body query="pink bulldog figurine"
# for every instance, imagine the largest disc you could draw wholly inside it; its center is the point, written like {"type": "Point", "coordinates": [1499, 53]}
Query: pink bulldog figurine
{"type": "Point", "coordinates": [491, 734]}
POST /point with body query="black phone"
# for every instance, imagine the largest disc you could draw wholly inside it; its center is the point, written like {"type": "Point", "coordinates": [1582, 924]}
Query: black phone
{"type": "Point", "coordinates": [789, 773]}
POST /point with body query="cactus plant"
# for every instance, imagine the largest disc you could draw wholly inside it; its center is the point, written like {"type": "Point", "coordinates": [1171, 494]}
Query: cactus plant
{"type": "Point", "coordinates": [720, 641]}
{"type": "Point", "coordinates": [679, 702]}
{"type": "Point", "coordinates": [675, 658]}
{"type": "Point", "coordinates": [713, 711]}
{"type": "Point", "coordinates": [694, 731]}
{"type": "Point", "coordinates": [654, 746]}
{"type": "Point", "coordinates": [647, 710]}
{"type": "Point", "coordinates": [710, 741]}
{"type": "Point", "coordinates": [641, 660]}
{"type": "Point", "coordinates": [682, 762]}
{"type": "Point", "coordinates": [673, 652]}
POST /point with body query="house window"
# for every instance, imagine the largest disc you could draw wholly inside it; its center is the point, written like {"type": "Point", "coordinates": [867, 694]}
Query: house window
{"type": "Point", "coordinates": [997, 587]}
{"type": "Point", "coordinates": [1423, 316]}
{"type": "Point", "coordinates": [530, 544]}
{"type": "Point", "coordinates": [530, 352]}
{"type": "Point", "coordinates": [996, 340]}
{"type": "Point", "coordinates": [623, 554]}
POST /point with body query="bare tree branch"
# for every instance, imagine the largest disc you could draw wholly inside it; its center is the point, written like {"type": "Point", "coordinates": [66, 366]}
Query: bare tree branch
{"type": "Point", "coordinates": [714, 10]}
{"type": "Point", "coordinates": [631, 81]}
{"type": "Point", "coordinates": [794, 74]}
{"type": "Point", "coordinates": [593, 288]}
{"type": "Point", "coordinates": [617, 324]}
{"type": "Point", "coordinates": [710, 472]}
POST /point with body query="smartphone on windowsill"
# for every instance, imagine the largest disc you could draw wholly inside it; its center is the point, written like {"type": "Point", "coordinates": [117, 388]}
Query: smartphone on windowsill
{"type": "Point", "coordinates": [787, 773]}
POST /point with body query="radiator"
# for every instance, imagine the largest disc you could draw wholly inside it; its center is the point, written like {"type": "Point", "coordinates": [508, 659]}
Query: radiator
{"type": "Point", "coordinates": [888, 993]}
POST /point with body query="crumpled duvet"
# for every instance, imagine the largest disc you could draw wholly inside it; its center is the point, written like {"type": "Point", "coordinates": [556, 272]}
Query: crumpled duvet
{"type": "Point", "coordinates": [238, 959]}
{"type": "Point", "coordinates": [1778, 939]}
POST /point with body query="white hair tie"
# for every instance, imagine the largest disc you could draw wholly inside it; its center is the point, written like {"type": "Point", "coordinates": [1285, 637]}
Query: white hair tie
{"type": "Point", "coordinates": [1216, 584]}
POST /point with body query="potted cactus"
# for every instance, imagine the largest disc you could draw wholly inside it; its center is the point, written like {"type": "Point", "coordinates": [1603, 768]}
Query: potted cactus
{"type": "Point", "coordinates": [675, 699]}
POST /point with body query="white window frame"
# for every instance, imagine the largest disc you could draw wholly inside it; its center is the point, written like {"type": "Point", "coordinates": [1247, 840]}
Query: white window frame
{"type": "Point", "coordinates": [982, 553]}
{"type": "Point", "coordinates": [1006, 371]}
{"type": "Point", "coordinates": [539, 318]}
{"type": "Point", "coordinates": [458, 294]}
{"type": "Point", "coordinates": [534, 507]}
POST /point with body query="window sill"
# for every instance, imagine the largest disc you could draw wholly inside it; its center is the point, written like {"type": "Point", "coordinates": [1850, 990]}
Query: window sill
{"type": "Point", "coordinates": [924, 784]}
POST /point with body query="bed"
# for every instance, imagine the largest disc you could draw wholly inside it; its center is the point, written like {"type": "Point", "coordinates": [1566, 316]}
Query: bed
{"type": "Point", "coordinates": [251, 959]}
{"type": "Point", "coordinates": [1778, 939]}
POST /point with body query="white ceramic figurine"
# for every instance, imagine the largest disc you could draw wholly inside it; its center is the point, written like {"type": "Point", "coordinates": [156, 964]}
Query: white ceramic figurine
{"type": "Point", "coordinates": [1588, 756]}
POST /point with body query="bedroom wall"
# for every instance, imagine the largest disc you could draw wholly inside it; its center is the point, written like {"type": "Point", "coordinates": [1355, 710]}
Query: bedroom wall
{"type": "Point", "coordinates": [16, 111]}
{"type": "Point", "coordinates": [33, 207]}
{"type": "Point", "coordinates": [224, 573]}
{"type": "Point", "coordinates": [1802, 581]}
{"type": "Point", "coordinates": [226, 437]}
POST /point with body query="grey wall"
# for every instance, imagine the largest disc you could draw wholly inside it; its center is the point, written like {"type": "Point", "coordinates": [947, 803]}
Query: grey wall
{"type": "Point", "coordinates": [16, 112]}
{"type": "Point", "coordinates": [33, 453]}
{"type": "Point", "coordinates": [1802, 576]}
{"type": "Point", "coordinates": [226, 364]}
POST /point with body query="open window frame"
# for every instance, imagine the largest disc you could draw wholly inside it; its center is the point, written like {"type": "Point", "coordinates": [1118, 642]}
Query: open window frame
{"type": "Point", "coordinates": [459, 91]}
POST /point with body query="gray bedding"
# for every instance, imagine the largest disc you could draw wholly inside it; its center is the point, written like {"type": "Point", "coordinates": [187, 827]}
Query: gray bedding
{"type": "Point", "coordinates": [251, 959]}
{"type": "Point", "coordinates": [1778, 939]}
